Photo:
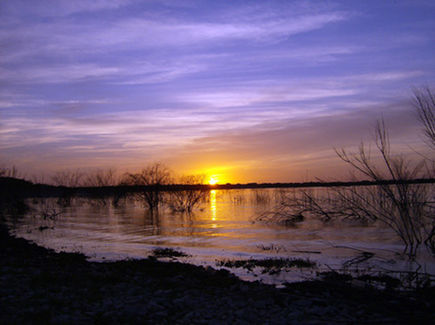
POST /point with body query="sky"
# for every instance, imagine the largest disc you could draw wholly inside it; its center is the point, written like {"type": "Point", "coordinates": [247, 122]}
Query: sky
{"type": "Point", "coordinates": [247, 91]}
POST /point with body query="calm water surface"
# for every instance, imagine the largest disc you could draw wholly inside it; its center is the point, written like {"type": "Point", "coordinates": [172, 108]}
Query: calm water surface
{"type": "Point", "coordinates": [223, 227]}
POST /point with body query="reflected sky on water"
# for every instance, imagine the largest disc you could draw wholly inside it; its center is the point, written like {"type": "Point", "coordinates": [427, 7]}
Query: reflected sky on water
{"type": "Point", "coordinates": [223, 226]}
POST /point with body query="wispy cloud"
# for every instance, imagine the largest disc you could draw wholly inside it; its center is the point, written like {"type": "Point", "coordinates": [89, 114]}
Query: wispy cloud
{"type": "Point", "coordinates": [138, 72]}
{"type": "Point", "coordinates": [55, 74]}
{"type": "Point", "coordinates": [269, 91]}
{"type": "Point", "coordinates": [258, 95]}
{"type": "Point", "coordinates": [66, 36]}
{"type": "Point", "coordinates": [384, 76]}
{"type": "Point", "coordinates": [48, 8]}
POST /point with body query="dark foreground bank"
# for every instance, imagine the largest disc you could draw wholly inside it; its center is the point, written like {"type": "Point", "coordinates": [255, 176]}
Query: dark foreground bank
{"type": "Point", "coordinates": [40, 286]}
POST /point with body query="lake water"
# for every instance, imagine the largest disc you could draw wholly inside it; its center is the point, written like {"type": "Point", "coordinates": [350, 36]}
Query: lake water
{"type": "Point", "coordinates": [223, 227]}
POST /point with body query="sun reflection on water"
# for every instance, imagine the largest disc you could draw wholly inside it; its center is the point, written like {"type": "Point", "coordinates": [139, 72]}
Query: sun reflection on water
{"type": "Point", "coordinates": [213, 205]}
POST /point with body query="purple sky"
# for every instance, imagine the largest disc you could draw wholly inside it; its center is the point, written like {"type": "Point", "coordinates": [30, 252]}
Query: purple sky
{"type": "Point", "coordinates": [247, 90]}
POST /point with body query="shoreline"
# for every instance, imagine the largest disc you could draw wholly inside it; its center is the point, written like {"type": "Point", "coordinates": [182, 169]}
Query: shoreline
{"type": "Point", "coordinates": [26, 189]}
{"type": "Point", "coordinates": [40, 285]}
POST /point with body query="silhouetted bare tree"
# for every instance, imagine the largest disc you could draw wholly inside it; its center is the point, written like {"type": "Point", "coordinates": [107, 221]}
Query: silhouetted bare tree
{"type": "Point", "coordinates": [403, 206]}
{"type": "Point", "coordinates": [151, 178]}
{"type": "Point", "coordinates": [424, 101]}
{"type": "Point", "coordinates": [69, 178]}
{"type": "Point", "coordinates": [100, 177]}
{"type": "Point", "coordinates": [406, 208]}
{"type": "Point", "coordinates": [186, 199]}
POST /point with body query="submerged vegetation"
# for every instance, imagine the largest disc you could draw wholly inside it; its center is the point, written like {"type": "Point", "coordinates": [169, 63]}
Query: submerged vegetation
{"type": "Point", "coordinates": [269, 265]}
{"type": "Point", "coordinates": [184, 199]}
{"type": "Point", "coordinates": [151, 179]}
{"type": "Point", "coordinates": [385, 280]}
{"type": "Point", "coordinates": [46, 213]}
{"type": "Point", "coordinates": [408, 209]}
{"type": "Point", "coordinates": [168, 252]}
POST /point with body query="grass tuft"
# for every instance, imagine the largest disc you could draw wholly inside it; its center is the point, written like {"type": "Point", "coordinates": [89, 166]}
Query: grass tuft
{"type": "Point", "coordinates": [168, 252]}
{"type": "Point", "coordinates": [270, 265]}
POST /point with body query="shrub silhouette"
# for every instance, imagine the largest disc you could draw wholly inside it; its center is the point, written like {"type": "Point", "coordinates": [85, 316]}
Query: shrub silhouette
{"type": "Point", "coordinates": [185, 199]}
{"type": "Point", "coordinates": [150, 180]}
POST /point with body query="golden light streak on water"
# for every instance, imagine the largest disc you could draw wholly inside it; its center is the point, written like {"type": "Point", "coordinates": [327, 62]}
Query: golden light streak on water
{"type": "Point", "coordinates": [213, 204]}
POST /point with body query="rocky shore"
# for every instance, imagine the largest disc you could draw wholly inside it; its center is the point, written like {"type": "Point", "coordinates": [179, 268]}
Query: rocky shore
{"type": "Point", "coordinates": [38, 285]}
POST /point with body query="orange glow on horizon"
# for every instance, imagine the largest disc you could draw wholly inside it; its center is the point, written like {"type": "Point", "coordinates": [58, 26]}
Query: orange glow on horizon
{"type": "Point", "coordinates": [215, 175]}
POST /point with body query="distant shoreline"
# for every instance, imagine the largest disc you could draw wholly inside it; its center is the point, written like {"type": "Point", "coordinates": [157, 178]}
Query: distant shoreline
{"type": "Point", "coordinates": [29, 189]}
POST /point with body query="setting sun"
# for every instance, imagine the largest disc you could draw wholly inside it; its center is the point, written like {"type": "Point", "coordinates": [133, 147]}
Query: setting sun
{"type": "Point", "coordinates": [215, 175]}
{"type": "Point", "coordinates": [213, 180]}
